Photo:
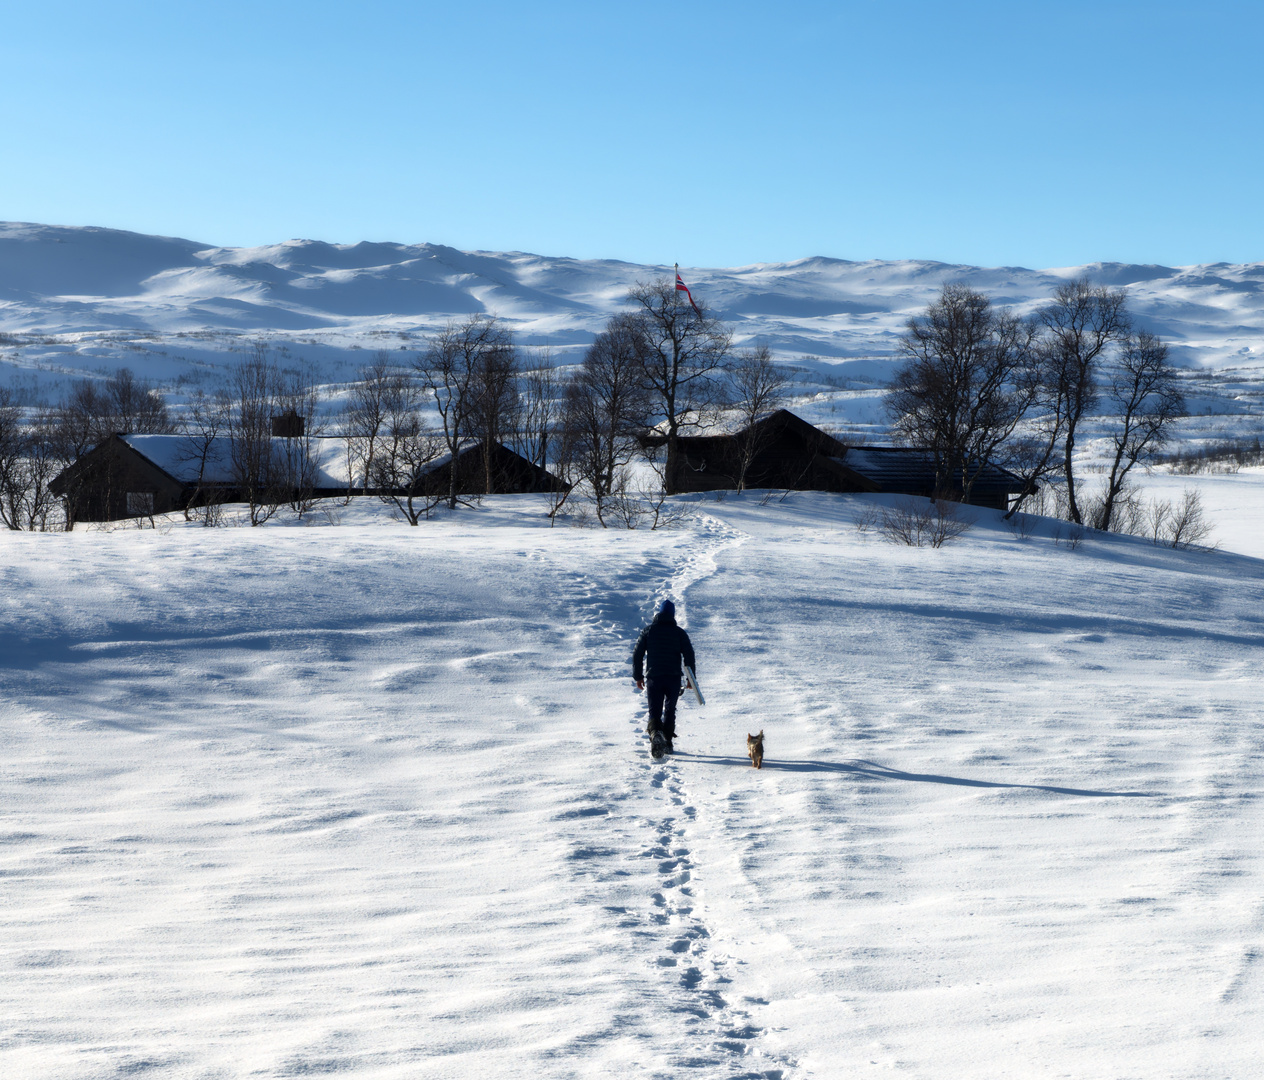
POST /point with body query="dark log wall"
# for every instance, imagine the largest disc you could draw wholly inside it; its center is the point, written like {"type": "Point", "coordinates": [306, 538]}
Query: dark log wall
{"type": "Point", "coordinates": [785, 461]}
{"type": "Point", "coordinates": [98, 485]}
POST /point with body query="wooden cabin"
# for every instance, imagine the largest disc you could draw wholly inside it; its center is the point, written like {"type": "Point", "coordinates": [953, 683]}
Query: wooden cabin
{"type": "Point", "coordinates": [143, 475]}
{"type": "Point", "coordinates": [788, 452]}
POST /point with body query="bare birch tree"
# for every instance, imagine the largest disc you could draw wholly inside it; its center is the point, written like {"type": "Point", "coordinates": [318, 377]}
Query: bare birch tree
{"type": "Point", "coordinates": [254, 389]}
{"type": "Point", "coordinates": [296, 452]}
{"type": "Point", "coordinates": [968, 380]}
{"type": "Point", "coordinates": [684, 352]}
{"type": "Point", "coordinates": [535, 426]}
{"type": "Point", "coordinates": [365, 415]}
{"type": "Point", "coordinates": [454, 371]}
{"type": "Point", "coordinates": [1082, 322]}
{"type": "Point", "coordinates": [407, 450]}
{"type": "Point", "coordinates": [759, 390]}
{"type": "Point", "coordinates": [28, 464]}
{"type": "Point", "coordinates": [606, 407]}
{"type": "Point", "coordinates": [1142, 387]}
{"type": "Point", "coordinates": [206, 425]}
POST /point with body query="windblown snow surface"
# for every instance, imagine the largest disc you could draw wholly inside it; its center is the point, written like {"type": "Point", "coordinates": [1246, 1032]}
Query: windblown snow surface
{"type": "Point", "coordinates": [375, 801]}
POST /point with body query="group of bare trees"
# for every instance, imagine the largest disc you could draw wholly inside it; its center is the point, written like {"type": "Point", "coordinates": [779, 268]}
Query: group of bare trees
{"type": "Point", "coordinates": [980, 385]}
{"type": "Point", "coordinates": [227, 443]}
{"type": "Point", "coordinates": [659, 372]}
{"type": "Point", "coordinates": [27, 466]}
{"type": "Point", "coordinates": [655, 372]}
{"type": "Point", "coordinates": [468, 387]}
{"type": "Point", "coordinates": [37, 443]}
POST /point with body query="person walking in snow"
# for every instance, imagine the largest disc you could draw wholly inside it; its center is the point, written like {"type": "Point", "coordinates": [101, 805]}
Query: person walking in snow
{"type": "Point", "coordinates": [660, 650]}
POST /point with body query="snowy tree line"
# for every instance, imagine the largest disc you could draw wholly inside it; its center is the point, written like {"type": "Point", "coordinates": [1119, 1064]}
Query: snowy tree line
{"type": "Point", "coordinates": [663, 368]}
{"type": "Point", "coordinates": [977, 384]}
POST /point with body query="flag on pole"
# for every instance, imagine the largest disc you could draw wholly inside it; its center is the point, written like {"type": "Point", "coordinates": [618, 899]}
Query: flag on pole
{"type": "Point", "coordinates": [682, 287]}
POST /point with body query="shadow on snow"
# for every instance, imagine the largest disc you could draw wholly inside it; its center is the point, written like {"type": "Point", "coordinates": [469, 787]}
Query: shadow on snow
{"type": "Point", "coordinates": [881, 772]}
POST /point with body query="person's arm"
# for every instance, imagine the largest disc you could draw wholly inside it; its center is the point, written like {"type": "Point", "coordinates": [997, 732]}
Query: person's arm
{"type": "Point", "coordinates": [638, 662]}
{"type": "Point", "coordinates": [686, 651]}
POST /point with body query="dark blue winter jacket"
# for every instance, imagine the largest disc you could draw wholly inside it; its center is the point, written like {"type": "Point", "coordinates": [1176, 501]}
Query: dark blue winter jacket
{"type": "Point", "coordinates": [660, 648]}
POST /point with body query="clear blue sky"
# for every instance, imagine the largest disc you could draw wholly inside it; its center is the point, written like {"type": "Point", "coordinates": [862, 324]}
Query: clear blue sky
{"type": "Point", "coordinates": [1032, 133]}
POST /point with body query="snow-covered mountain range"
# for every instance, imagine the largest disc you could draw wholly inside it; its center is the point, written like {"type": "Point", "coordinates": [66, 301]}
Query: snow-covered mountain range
{"type": "Point", "coordinates": [96, 289]}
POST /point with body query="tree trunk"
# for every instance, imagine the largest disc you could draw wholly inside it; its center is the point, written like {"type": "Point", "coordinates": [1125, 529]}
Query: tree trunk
{"type": "Point", "coordinates": [1072, 505]}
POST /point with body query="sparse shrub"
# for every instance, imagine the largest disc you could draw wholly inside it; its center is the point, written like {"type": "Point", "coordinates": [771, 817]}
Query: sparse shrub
{"type": "Point", "coordinates": [922, 522]}
{"type": "Point", "coordinates": [1021, 525]}
{"type": "Point", "coordinates": [866, 521]}
{"type": "Point", "coordinates": [1186, 525]}
{"type": "Point", "coordinates": [1070, 534]}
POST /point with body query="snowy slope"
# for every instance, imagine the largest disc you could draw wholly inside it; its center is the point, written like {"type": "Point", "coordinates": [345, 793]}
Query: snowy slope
{"type": "Point", "coordinates": [373, 800]}
{"type": "Point", "coordinates": [172, 305]}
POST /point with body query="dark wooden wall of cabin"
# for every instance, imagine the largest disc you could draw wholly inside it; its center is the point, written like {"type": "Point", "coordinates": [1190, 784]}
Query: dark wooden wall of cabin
{"type": "Point", "coordinates": [785, 461]}
{"type": "Point", "coordinates": [99, 488]}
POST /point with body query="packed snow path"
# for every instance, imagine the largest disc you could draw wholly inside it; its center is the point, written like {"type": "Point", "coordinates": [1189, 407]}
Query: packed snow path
{"type": "Point", "coordinates": [377, 801]}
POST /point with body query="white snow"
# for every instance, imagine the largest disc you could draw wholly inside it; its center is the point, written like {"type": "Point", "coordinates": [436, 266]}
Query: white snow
{"type": "Point", "coordinates": [173, 305]}
{"type": "Point", "coordinates": [375, 800]}
{"type": "Point", "coordinates": [180, 456]}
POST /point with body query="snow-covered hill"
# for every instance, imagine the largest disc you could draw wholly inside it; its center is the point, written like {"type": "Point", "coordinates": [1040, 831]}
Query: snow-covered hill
{"type": "Point", "coordinates": [374, 801]}
{"type": "Point", "coordinates": [104, 291]}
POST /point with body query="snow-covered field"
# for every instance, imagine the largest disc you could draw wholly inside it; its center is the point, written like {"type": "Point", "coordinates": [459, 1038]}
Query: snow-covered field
{"type": "Point", "coordinates": [373, 800]}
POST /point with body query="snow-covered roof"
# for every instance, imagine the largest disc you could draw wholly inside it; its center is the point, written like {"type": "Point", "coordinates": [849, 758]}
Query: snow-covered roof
{"type": "Point", "coordinates": [180, 457]}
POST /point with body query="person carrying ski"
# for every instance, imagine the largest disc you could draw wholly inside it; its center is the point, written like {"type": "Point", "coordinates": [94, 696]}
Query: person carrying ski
{"type": "Point", "coordinates": [656, 661]}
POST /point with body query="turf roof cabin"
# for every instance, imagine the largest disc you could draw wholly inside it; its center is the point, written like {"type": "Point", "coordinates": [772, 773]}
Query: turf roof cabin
{"type": "Point", "coordinates": [130, 476]}
{"type": "Point", "coordinates": [788, 452]}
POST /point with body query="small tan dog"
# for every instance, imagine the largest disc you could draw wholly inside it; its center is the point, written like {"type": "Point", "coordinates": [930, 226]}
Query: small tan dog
{"type": "Point", "coordinates": [755, 747]}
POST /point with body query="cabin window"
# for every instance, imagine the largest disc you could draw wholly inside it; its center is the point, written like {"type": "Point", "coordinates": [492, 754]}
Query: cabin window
{"type": "Point", "coordinates": [140, 503]}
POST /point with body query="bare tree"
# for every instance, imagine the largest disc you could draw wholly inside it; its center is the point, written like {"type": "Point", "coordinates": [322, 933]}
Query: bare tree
{"type": "Point", "coordinates": [254, 389]}
{"type": "Point", "coordinates": [968, 380]}
{"type": "Point", "coordinates": [365, 415]}
{"type": "Point", "coordinates": [1034, 451]}
{"type": "Point", "coordinates": [407, 450]}
{"type": "Point", "coordinates": [1082, 322]}
{"type": "Point", "coordinates": [454, 371]}
{"type": "Point", "coordinates": [121, 404]}
{"type": "Point", "coordinates": [135, 407]}
{"type": "Point", "coordinates": [1143, 390]}
{"type": "Point", "coordinates": [1187, 526]}
{"type": "Point", "coordinates": [539, 412]}
{"type": "Point", "coordinates": [683, 353]}
{"type": "Point", "coordinates": [28, 464]}
{"type": "Point", "coordinates": [495, 399]}
{"type": "Point", "coordinates": [759, 388]}
{"type": "Point", "coordinates": [606, 406]}
{"type": "Point", "coordinates": [296, 453]}
{"type": "Point", "coordinates": [207, 421]}
{"type": "Point", "coordinates": [918, 522]}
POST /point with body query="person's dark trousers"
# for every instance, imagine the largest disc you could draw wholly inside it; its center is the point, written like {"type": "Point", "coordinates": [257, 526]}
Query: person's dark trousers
{"type": "Point", "coordinates": [662, 695]}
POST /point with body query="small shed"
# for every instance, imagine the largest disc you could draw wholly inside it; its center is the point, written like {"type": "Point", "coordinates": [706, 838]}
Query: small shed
{"type": "Point", "coordinates": [511, 473]}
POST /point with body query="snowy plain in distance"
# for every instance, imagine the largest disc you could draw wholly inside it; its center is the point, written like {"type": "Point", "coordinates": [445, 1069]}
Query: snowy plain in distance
{"type": "Point", "coordinates": [374, 800]}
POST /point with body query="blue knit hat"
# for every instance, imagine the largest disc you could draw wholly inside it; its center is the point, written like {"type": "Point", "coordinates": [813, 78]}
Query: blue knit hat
{"type": "Point", "coordinates": [667, 608]}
